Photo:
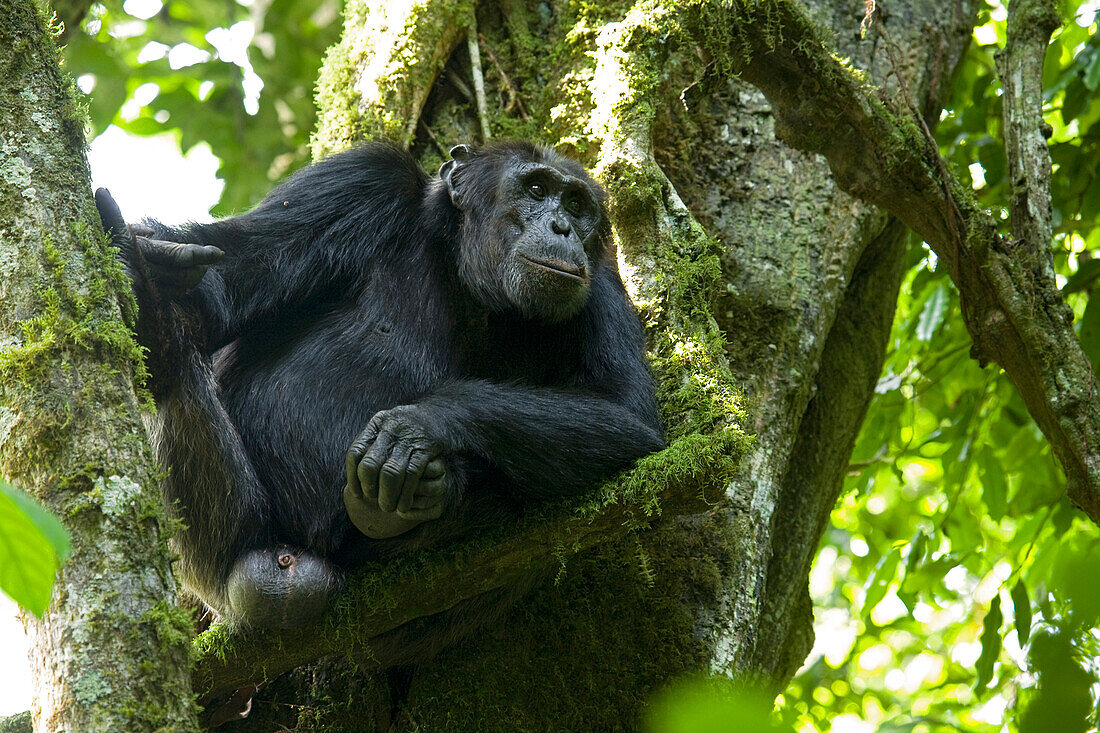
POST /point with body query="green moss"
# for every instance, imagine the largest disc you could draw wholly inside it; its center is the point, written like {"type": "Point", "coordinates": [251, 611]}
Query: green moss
{"type": "Point", "coordinates": [218, 641]}
{"type": "Point", "coordinates": [373, 86]}
{"type": "Point", "coordinates": [584, 653]}
{"type": "Point", "coordinates": [695, 389]}
{"type": "Point", "coordinates": [340, 127]}
{"type": "Point", "coordinates": [172, 624]}
{"type": "Point", "coordinates": [76, 317]}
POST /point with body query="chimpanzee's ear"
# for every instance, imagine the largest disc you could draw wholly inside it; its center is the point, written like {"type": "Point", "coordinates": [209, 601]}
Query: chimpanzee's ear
{"type": "Point", "coordinates": [460, 155]}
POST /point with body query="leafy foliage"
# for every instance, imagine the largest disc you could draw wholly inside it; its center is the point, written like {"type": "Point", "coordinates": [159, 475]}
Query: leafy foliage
{"type": "Point", "coordinates": [239, 78]}
{"type": "Point", "coordinates": [983, 619]}
{"type": "Point", "coordinates": [33, 544]}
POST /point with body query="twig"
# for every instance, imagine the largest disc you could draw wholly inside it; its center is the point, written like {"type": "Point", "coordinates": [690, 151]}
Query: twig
{"type": "Point", "coordinates": [934, 148]}
{"type": "Point", "coordinates": [513, 95]}
{"type": "Point", "coordinates": [868, 17]}
{"type": "Point", "coordinates": [479, 80]}
{"type": "Point", "coordinates": [435, 140]}
{"type": "Point", "coordinates": [460, 85]}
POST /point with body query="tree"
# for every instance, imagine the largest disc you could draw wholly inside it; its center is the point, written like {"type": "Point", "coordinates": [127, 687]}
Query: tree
{"type": "Point", "coordinates": [745, 164]}
{"type": "Point", "coordinates": [71, 434]}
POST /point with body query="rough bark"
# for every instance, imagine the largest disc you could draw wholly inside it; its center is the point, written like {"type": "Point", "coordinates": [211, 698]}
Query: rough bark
{"type": "Point", "coordinates": [379, 75]}
{"type": "Point", "coordinates": [1012, 306]}
{"type": "Point", "coordinates": [111, 653]}
{"type": "Point", "coordinates": [793, 242]}
{"type": "Point", "coordinates": [1020, 66]}
{"type": "Point", "coordinates": [778, 324]}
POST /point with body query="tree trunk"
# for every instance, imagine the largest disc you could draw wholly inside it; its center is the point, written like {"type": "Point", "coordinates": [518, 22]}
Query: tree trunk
{"type": "Point", "coordinates": [768, 295]}
{"type": "Point", "coordinates": [111, 653]}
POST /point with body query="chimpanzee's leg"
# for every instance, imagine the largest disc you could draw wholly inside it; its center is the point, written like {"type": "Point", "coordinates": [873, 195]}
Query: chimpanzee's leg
{"type": "Point", "coordinates": [212, 486]}
{"type": "Point", "coordinates": [225, 552]}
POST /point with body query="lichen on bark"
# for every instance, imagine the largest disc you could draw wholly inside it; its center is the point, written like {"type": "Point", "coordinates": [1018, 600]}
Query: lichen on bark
{"type": "Point", "coordinates": [110, 654]}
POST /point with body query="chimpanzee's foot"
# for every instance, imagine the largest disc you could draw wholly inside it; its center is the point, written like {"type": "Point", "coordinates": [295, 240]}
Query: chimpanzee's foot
{"type": "Point", "coordinates": [369, 519]}
{"type": "Point", "coordinates": [395, 503]}
{"type": "Point", "coordinates": [280, 588]}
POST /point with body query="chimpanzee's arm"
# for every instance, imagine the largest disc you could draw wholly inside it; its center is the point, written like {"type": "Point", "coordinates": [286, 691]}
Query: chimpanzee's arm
{"type": "Point", "coordinates": [549, 441]}
{"type": "Point", "coordinates": [560, 440]}
{"type": "Point", "coordinates": [310, 239]}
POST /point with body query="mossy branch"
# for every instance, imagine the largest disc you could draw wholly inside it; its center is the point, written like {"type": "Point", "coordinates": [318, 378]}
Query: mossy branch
{"type": "Point", "coordinates": [1011, 304]}
{"type": "Point", "coordinates": [1020, 67]}
{"type": "Point", "coordinates": [380, 599]}
{"type": "Point", "coordinates": [375, 81]}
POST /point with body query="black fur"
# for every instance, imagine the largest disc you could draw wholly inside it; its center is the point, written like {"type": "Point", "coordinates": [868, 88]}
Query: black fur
{"type": "Point", "coordinates": [358, 286]}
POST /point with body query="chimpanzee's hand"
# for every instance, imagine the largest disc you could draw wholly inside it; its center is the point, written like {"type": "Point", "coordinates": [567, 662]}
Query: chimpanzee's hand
{"type": "Point", "coordinates": [396, 475]}
{"type": "Point", "coordinates": [174, 267]}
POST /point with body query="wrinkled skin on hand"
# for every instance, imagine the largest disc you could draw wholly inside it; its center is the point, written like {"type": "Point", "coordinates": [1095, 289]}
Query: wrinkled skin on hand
{"type": "Point", "coordinates": [396, 474]}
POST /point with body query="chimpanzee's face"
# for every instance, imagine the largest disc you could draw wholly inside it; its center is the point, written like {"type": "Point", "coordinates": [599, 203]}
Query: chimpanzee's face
{"type": "Point", "coordinates": [531, 239]}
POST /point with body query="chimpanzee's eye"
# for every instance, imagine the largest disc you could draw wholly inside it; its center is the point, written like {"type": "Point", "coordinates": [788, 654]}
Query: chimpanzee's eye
{"type": "Point", "coordinates": [575, 203]}
{"type": "Point", "coordinates": [536, 190]}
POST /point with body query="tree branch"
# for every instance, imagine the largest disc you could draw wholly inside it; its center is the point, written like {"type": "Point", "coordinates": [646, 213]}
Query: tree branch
{"type": "Point", "coordinates": [479, 79]}
{"type": "Point", "coordinates": [1011, 304]}
{"type": "Point", "coordinates": [378, 600]}
{"type": "Point", "coordinates": [111, 652]}
{"type": "Point", "coordinates": [377, 78]}
{"type": "Point", "coordinates": [1020, 66]}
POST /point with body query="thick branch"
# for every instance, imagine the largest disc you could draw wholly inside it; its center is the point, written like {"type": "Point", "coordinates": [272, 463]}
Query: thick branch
{"type": "Point", "coordinates": [1020, 65]}
{"type": "Point", "coordinates": [671, 482]}
{"type": "Point", "coordinates": [376, 80]}
{"type": "Point", "coordinates": [1011, 304]}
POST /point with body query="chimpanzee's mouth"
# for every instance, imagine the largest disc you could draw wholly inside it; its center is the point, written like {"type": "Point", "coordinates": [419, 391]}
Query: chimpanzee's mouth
{"type": "Point", "coordinates": [558, 267]}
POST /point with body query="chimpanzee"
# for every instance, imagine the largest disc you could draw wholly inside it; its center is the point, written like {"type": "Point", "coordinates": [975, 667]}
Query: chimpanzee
{"type": "Point", "coordinates": [467, 336]}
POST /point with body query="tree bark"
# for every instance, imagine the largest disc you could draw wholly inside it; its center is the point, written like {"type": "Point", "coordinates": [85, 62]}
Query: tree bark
{"type": "Point", "coordinates": [111, 653]}
{"type": "Point", "coordinates": [1012, 306]}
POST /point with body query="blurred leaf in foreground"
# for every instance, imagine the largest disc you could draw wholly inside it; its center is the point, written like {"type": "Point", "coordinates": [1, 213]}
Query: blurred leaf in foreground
{"type": "Point", "coordinates": [710, 705]}
{"type": "Point", "coordinates": [33, 544]}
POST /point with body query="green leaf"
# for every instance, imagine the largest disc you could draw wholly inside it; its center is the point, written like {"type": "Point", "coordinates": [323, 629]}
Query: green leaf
{"type": "Point", "coordinates": [1074, 577]}
{"type": "Point", "coordinates": [881, 577]}
{"type": "Point", "coordinates": [33, 544]}
{"type": "Point", "coordinates": [991, 645]}
{"type": "Point", "coordinates": [932, 315]}
{"type": "Point", "coordinates": [1021, 612]}
{"type": "Point", "coordinates": [1092, 72]}
{"type": "Point", "coordinates": [916, 551]}
{"type": "Point", "coordinates": [1077, 96]}
{"type": "Point", "coordinates": [1089, 331]}
{"type": "Point", "coordinates": [994, 485]}
{"type": "Point", "coordinates": [1064, 698]}
{"type": "Point", "coordinates": [1084, 277]}
{"type": "Point", "coordinates": [710, 705]}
